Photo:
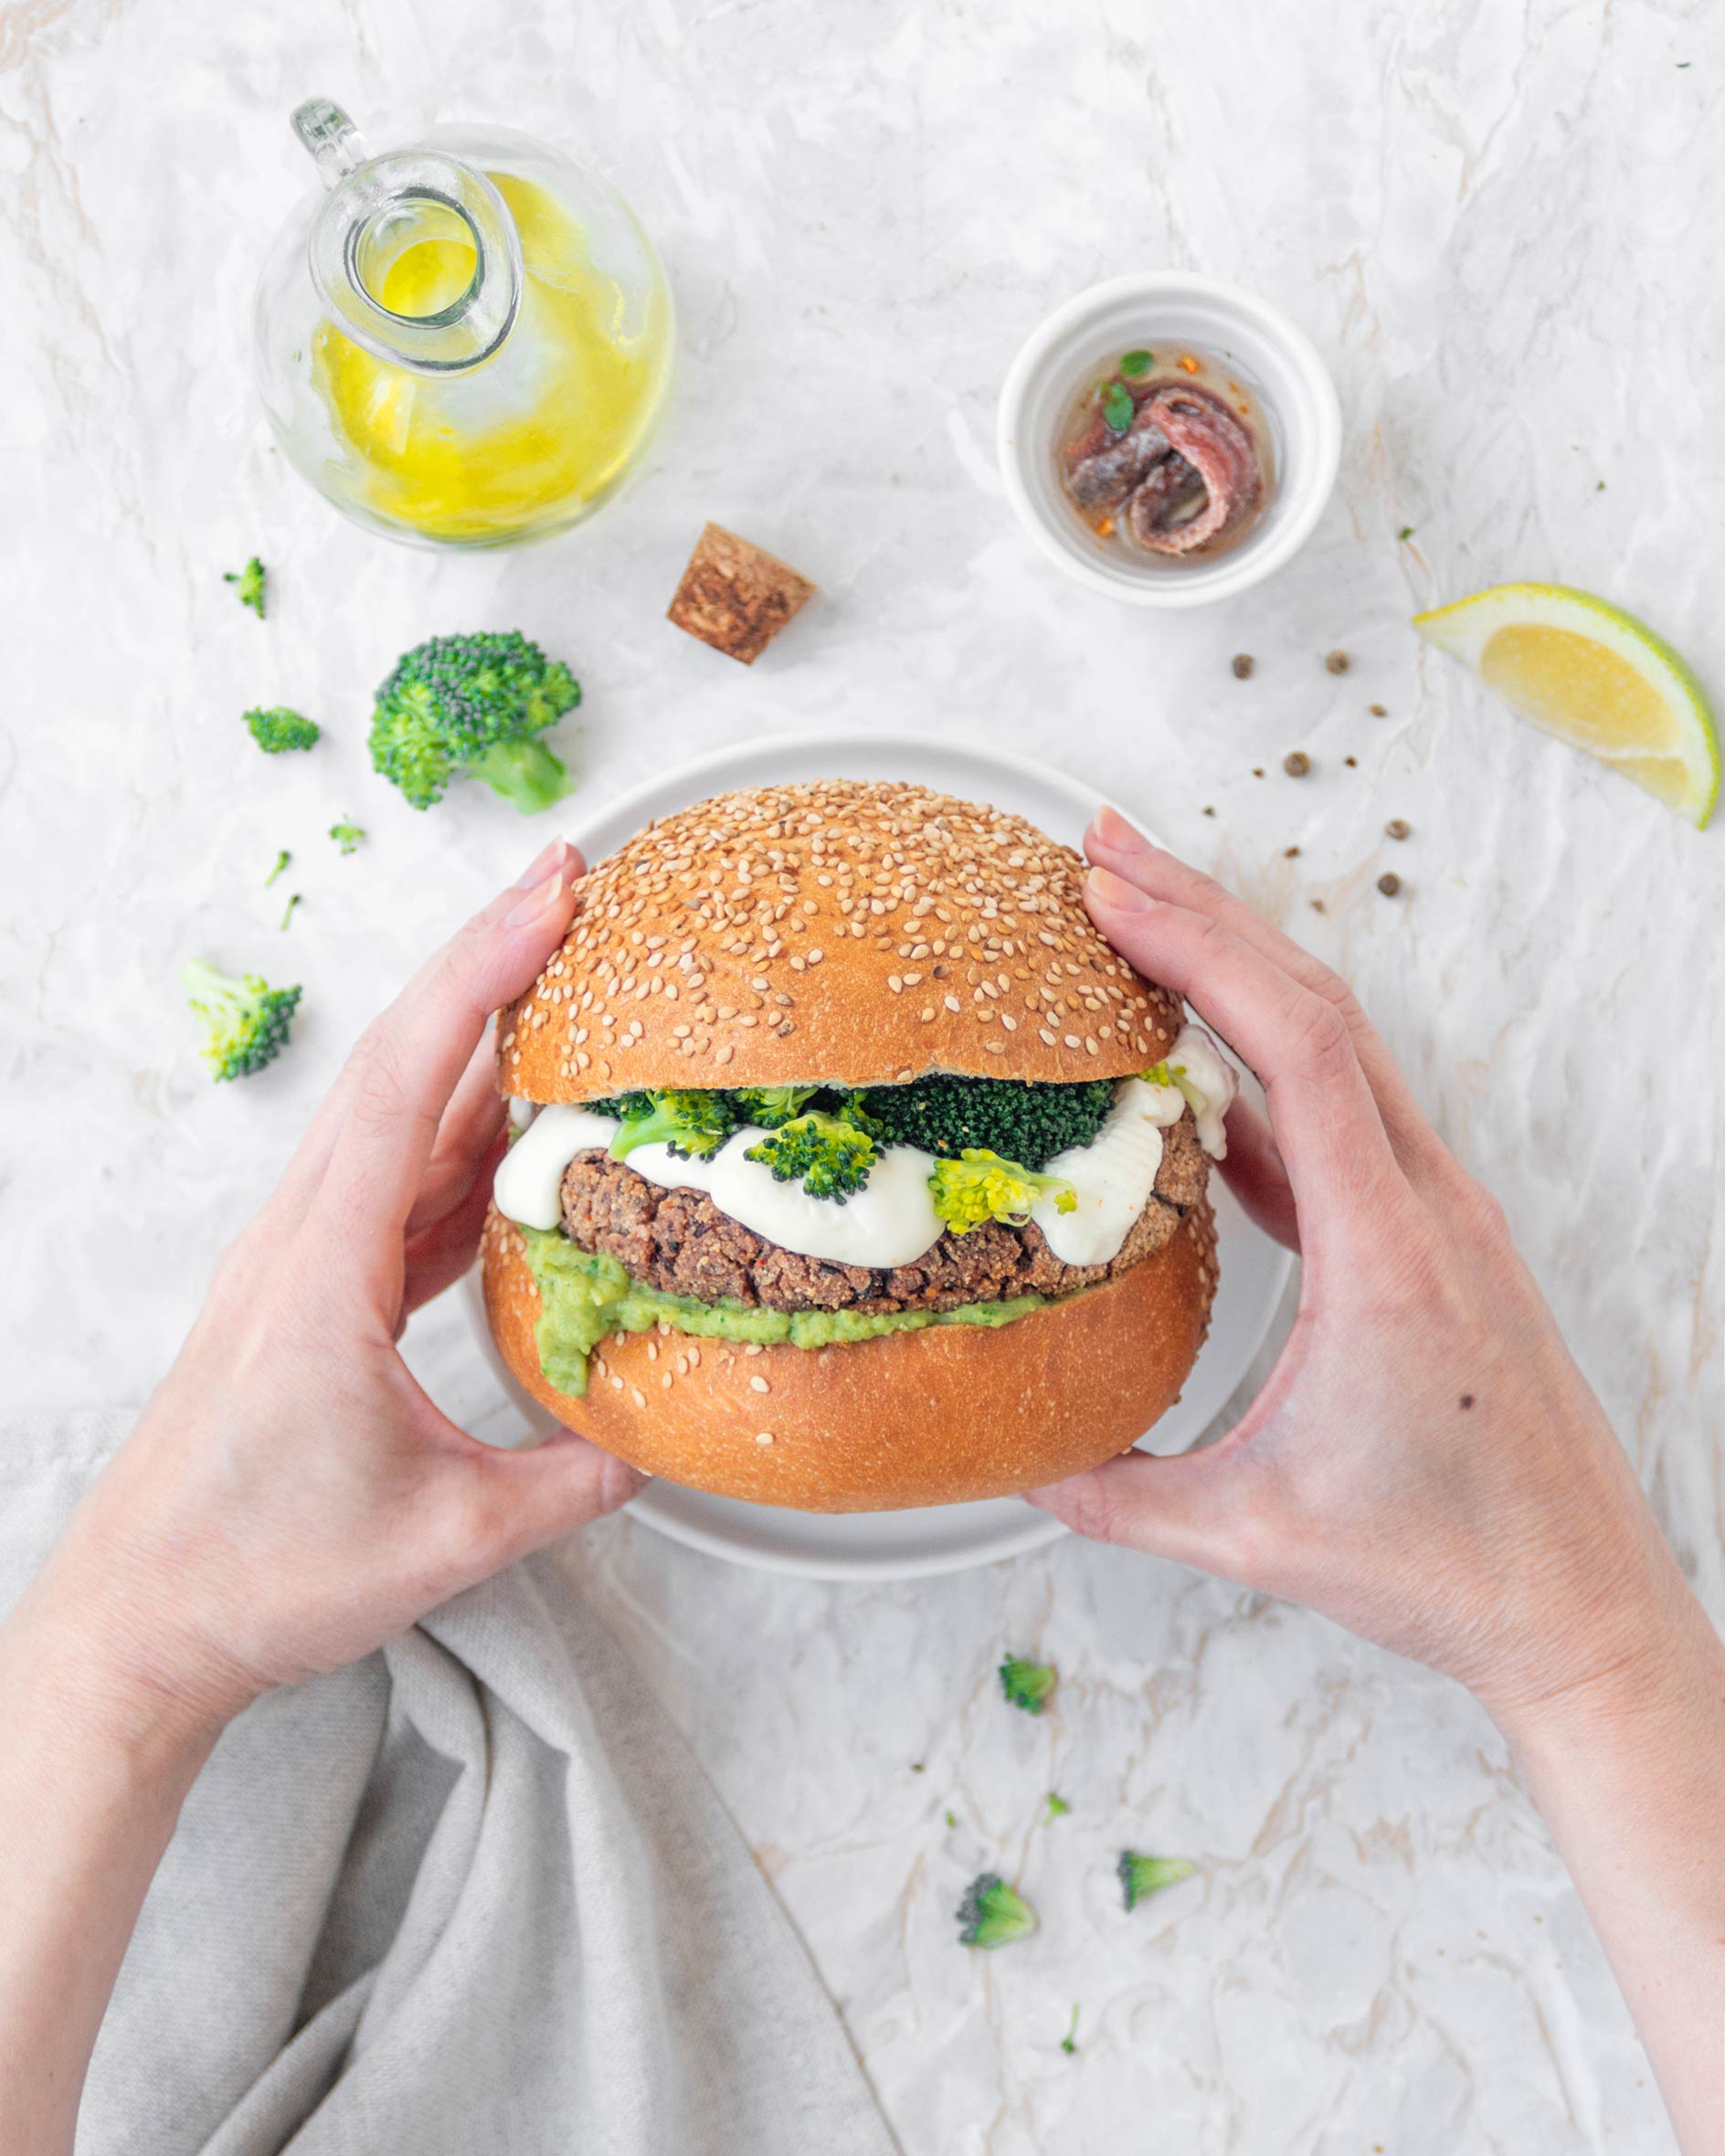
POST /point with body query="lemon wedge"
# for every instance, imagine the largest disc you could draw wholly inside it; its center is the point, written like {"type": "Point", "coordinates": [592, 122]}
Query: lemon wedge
{"type": "Point", "coordinates": [1596, 677]}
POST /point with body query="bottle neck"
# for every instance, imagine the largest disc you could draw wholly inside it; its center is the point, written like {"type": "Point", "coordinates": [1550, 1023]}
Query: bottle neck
{"type": "Point", "coordinates": [364, 259]}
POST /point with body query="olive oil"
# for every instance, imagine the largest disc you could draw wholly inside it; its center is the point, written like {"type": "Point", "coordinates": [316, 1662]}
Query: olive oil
{"type": "Point", "coordinates": [530, 437]}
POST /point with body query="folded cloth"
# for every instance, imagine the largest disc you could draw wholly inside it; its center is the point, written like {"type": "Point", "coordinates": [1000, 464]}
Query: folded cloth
{"type": "Point", "coordinates": [471, 1894]}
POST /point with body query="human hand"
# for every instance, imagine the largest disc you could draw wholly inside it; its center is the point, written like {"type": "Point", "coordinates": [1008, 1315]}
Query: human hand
{"type": "Point", "coordinates": [1426, 1464]}
{"type": "Point", "coordinates": [291, 1498]}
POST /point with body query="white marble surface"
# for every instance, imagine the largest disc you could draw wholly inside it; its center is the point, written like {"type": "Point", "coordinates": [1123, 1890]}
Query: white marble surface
{"type": "Point", "coordinates": [1502, 226]}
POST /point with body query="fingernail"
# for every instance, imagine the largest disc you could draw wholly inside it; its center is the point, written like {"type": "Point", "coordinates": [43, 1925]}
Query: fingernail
{"type": "Point", "coordinates": [537, 902]}
{"type": "Point", "coordinates": [1116, 834]}
{"type": "Point", "coordinates": [541, 865]}
{"type": "Point", "coordinates": [1107, 888]}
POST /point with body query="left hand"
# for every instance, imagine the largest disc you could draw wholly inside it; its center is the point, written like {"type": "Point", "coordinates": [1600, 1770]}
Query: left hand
{"type": "Point", "coordinates": [291, 1498]}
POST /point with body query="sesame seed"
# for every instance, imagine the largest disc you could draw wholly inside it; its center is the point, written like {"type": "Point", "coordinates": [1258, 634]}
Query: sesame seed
{"type": "Point", "coordinates": [762, 1437]}
{"type": "Point", "coordinates": [953, 1003]}
{"type": "Point", "coordinates": [758, 1385]}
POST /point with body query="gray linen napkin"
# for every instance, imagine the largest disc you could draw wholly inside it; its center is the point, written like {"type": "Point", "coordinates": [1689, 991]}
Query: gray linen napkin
{"type": "Point", "coordinates": [472, 1895]}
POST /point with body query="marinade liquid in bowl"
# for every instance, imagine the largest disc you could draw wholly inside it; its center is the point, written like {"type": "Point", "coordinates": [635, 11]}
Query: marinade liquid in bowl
{"type": "Point", "coordinates": [1165, 454]}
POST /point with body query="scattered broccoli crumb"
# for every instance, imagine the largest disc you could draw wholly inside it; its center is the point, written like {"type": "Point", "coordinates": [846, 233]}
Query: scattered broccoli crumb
{"type": "Point", "coordinates": [1141, 1875]}
{"type": "Point", "coordinates": [1029, 1685]}
{"type": "Point", "coordinates": [275, 728]}
{"type": "Point", "coordinates": [348, 836]}
{"type": "Point", "coordinates": [247, 584]}
{"type": "Point", "coordinates": [1057, 1806]}
{"type": "Point", "coordinates": [475, 704]}
{"type": "Point", "coordinates": [1405, 533]}
{"type": "Point", "coordinates": [1069, 2042]}
{"type": "Point", "coordinates": [952, 1818]}
{"type": "Point", "coordinates": [246, 1021]}
{"type": "Point", "coordinates": [282, 859]}
{"type": "Point", "coordinates": [992, 1914]}
{"type": "Point", "coordinates": [289, 915]}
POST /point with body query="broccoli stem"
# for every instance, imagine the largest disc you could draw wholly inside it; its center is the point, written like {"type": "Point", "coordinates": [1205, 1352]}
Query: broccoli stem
{"type": "Point", "coordinates": [522, 771]}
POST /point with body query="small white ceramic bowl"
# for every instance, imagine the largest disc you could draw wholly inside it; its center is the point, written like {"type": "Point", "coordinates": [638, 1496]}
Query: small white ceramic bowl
{"type": "Point", "coordinates": [1164, 309]}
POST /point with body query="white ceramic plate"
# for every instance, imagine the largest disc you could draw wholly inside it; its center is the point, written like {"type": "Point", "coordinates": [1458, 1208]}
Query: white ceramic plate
{"type": "Point", "coordinates": [944, 1538]}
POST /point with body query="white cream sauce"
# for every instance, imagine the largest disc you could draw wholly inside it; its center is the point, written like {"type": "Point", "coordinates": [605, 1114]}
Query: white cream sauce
{"type": "Point", "coordinates": [892, 1221]}
{"type": "Point", "coordinates": [1209, 1082]}
{"type": "Point", "coordinates": [529, 1186]}
{"type": "Point", "coordinates": [1112, 1177]}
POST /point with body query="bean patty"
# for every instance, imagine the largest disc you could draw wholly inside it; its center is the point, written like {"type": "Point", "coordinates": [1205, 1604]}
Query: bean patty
{"type": "Point", "coordinates": [679, 1241]}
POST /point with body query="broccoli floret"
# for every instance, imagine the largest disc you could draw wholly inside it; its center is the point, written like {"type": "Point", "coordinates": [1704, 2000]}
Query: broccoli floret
{"type": "Point", "coordinates": [770, 1105]}
{"type": "Point", "coordinates": [1029, 1685]}
{"type": "Point", "coordinates": [346, 835]}
{"type": "Point", "coordinates": [1141, 1875]}
{"type": "Point", "coordinates": [275, 728]}
{"type": "Point", "coordinates": [992, 1914]}
{"type": "Point", "coordinates": [282, 859]}
{"type": "Point", "coordinates": [247, 584]}
{"type": "Point", "coordinates": [1069, 2042]}
{"type": "Point", "coordinates": [694, 1124]}
{"type": "Point", "coordinates": [982, 1186]}
{"type": "Point", "coordinates": [1057, 1806]}
{"type": "Point", "coordinates": [827, 1154]}
{"type": "Point", "coordinates": [477, 704]}
{"type": "Point", "coordinates": [1019, 1121]}
{"type": "Point", "coordinates": [246, 1021]}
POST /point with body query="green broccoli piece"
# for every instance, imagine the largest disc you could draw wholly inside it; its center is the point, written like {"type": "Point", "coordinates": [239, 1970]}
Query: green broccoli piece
{"type": "Point", "coordinates": [1141, 1875]}
{"type": "Point", "coordinates": [276, 728]}
{"type": "Point", "coordinates": [1029, 1685]}
{"type": "Point", "coordinates": [770, 1105]}
{"type": "Point", "coordinates": [992, 1914]}
{"type": "Point", "coordinates": [247, 584]}
{"type": "Point", "coordinates": [1069, 2042]}
{"type": "Point", "coordinates": [694, 1124]}
{"type": "Point", "coordinates": [475, 704]}
{"type": "Point", "coordinates": [1057, 1806]}
{"type": "Point", "coordinates": [827, 1154]}
{"type": "Point", "coordinates": [348, 836]}
{"type": "Point", "coordinates": [982, 1186]}
{"type": "Point", "coordinates": [946, 1115]}
{"type": "Point", "coordinates": [246, 1021]}
{"type": "Point", "coordinates": [291, 903]}
{"type": "Point", "coordinates": [282, 859]}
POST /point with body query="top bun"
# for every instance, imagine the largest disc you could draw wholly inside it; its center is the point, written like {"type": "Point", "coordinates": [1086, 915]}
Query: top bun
{"type": "Point", "coordinates": [853, 934]}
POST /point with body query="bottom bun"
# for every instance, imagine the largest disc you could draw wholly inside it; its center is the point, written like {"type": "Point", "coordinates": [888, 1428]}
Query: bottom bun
{"type": "Point", "coordinates": [935, 1417]}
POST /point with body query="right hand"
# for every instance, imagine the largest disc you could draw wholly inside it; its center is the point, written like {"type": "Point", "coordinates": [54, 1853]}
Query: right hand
{"type": "Point", "coordinates": [1425, 1465]}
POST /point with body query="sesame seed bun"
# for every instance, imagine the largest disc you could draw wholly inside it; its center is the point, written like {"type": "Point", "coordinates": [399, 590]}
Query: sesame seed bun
{"type": "Point", "coordinates": [855, 933]}
{"type": "Point", "coordinates": [927, 1418]}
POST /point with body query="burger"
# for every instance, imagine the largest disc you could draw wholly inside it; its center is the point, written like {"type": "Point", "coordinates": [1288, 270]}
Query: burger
{"type": "Point", "coordinates": [851, 1168]}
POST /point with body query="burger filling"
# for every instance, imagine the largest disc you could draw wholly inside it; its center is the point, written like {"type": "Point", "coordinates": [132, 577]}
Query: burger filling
{"type": "Point", "coordinates": [817, 1216]}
